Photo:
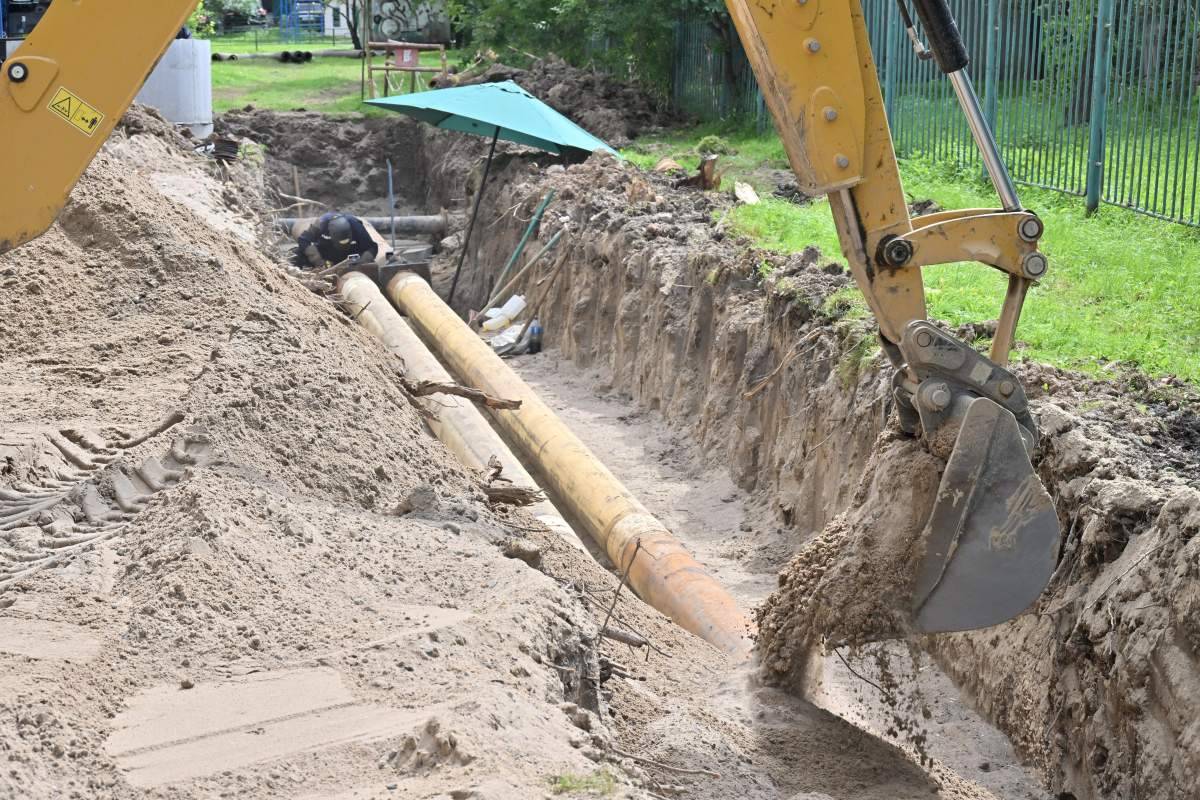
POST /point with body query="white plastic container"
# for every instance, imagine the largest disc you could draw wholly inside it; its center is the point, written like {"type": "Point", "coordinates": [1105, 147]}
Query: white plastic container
{"type": "Point", "coordinates": [181, 86]}
{"type": "Point", "coordinates": [507, 313]}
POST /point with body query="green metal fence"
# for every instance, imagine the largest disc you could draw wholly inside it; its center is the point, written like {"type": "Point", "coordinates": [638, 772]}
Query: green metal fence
{"type": "Point", "coordinates": [705, 86]}
{"type": "Point", "coordinates": [1096, 98]}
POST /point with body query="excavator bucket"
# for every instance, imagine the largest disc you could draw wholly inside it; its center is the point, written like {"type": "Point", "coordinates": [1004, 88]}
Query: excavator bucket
{"type": "Point", "coordinates": [991, 542]}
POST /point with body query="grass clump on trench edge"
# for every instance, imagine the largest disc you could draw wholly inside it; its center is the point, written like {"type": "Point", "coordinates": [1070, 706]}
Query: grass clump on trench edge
{"type": "Point", "coordinates": [600, 783]}
{"type": "Point", "coordinates": [1120, 292]}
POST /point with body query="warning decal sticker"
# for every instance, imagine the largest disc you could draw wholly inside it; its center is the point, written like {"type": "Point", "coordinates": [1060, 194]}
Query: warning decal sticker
{"type": "Point", "coordinates": [71, 108]}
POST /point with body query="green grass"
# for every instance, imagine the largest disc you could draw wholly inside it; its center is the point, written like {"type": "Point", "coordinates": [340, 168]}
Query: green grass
{"type": "Point", "coordinates": [329, 85]}
{"type": "Point", "coordinates": [600, 783]}
{"type": "Point", "coordinates": [754, 152]}
{"type": "Point", "coordinates": [1121, 286]}
{"type": "Point", "coordinates": [776, 225]}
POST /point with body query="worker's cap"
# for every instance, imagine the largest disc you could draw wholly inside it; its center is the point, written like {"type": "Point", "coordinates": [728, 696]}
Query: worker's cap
{"type": "Point", "coordinates": [338, 230]}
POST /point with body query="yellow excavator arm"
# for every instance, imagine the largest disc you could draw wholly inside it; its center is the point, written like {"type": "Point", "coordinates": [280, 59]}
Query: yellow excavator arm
{"type": "Point", "coordinates": [61, 94]}
{"type": "Point", "coordinates": [991, 542]}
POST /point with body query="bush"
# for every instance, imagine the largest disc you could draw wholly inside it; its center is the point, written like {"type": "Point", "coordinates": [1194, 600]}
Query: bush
{"type": "Point", "coordinates": [629, 38]}
{"type": "Point", "coordinates": [713, 145]}
{"type": "Point", "coordinates": [242, 8]}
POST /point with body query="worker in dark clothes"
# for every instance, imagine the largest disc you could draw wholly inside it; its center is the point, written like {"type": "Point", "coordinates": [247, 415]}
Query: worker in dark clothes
{"type": "Point", "coordinates": [333, 238]}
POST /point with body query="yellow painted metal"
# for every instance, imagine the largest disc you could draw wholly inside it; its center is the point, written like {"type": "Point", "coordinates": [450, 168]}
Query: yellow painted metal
{"type": "Point", "coordinates": [812, 84]}
{"type": "Point", "coordinates": [867, 198]}
{"type": "Point", "coordinates": [990, 238]}
{"type": "Point", "coordinates": [82, 65]}
{"type": "Point", "coordinates": [869, 207]}
{"type": "Point", "coordinates": [660, 570]}
{"type": "Point", "coordinates": [456, 422]}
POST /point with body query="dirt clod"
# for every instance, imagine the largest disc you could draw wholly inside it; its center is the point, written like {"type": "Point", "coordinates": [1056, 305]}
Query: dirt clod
{"type": "Point", "coordinates": [851, 584]}
{"type": "Point", "coordinates": [524, 550]}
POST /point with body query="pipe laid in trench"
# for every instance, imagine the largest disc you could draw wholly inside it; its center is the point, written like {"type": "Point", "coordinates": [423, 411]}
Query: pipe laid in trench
{"type": "Point", "coordinates": [456, 421]}
{"type": "Point", "coordinates": [427, 225]}
{"type": "Point", "coordinates": [660, 570]}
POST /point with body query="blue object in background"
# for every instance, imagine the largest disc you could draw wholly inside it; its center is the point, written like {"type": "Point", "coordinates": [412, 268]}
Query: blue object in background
{"type": "Point", "coordinates": [535, 338]}
{"type": "Point", "coordinates": [300, 19]}
{"type": "Point", "coordinates": [3, 16]}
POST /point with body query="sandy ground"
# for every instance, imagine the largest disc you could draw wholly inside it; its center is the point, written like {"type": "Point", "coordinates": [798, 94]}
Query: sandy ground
{"type": "Point", "coordinates": [697, 500]}
{"type": "Point", "coordinates": [204, 588]}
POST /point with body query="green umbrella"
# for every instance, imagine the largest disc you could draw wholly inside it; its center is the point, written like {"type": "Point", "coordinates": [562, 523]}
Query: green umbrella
{"type": "Point", "coordinates": [499, 111]}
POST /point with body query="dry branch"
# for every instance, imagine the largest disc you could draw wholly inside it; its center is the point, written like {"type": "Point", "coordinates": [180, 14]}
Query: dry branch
{"type": "Point", "coordinates": [512, 495]}
{"type": "Point", "coordinates": [667, 767]}
{"type": "Point", "coordinates": [426, 388]}
{"type": "Point", "coordinates": [625, 637]}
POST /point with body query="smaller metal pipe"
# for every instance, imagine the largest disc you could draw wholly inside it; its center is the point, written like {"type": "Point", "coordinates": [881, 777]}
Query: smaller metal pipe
{"type": "Point", "coordinates": [392, 203]}
{"type": "Point", "coordinates": [508, 287]}
{"type": "Point", "coordinates": [991, 75]}
{"type": "Point", "coordinates": [984, 140]}
{"type": "Point", "coordinates": [529, 229]}
{"type": "Point", "coordinates": [431, 225]}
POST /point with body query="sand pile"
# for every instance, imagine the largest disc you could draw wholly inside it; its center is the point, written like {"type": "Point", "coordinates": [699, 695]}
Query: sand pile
{"type": "Point", "coordinates": [203, 589]}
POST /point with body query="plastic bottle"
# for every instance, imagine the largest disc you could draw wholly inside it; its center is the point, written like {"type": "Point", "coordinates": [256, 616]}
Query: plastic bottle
{"type": "Point", "coordinates": [535, 337]}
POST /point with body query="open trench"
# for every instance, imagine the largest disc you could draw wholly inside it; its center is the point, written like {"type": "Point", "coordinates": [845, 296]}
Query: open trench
{"type": "Point", "coordinates": [745, 414]}
{"type": "Point", "coordinates": [697, 500]}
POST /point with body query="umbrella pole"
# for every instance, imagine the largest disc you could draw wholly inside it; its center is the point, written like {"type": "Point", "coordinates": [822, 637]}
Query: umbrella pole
{"type": "Point", "coordinates": [392, 205]}
{"type": "Point", "coordinates": [487, 167]}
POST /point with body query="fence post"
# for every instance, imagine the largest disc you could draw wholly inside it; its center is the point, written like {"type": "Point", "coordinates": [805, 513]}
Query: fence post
{"type": "Point", "coordinates": [676, 65]}
{"type": "Point", "coordinates": [991, 75]}
{"type": "Point", "coordinates": [891, 29]}
{"type": "Point", "coordinates": [1100, 76]}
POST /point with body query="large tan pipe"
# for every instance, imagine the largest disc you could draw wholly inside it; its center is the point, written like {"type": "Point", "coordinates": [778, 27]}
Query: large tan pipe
{"type": "Point", "coordinates": [662, 573]}
{"type": "Point", "coordinates": [456, 422]}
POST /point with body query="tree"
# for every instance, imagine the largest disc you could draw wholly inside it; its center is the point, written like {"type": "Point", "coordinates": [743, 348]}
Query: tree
{"type": "Point", "coordinates": [201, 21]}
{"type": "Point", "coordinates": [632, 38]}
{"type": "Point", "coordinates": [244, 8]}
{"type": "Point", "coordinates": [352, 11]}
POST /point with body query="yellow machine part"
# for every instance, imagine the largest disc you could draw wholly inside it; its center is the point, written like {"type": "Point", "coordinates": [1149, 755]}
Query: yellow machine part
{"type": "Point", "coordinates": [61, 94]}
{"type": "Point", "coordinates": [813, 60]}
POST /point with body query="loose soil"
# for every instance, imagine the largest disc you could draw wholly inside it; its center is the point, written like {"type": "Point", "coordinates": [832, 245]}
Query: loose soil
{"type": "Point", "coordinates": [741, 543]}
{"type": "Point", "coordinates": [236, 564]}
